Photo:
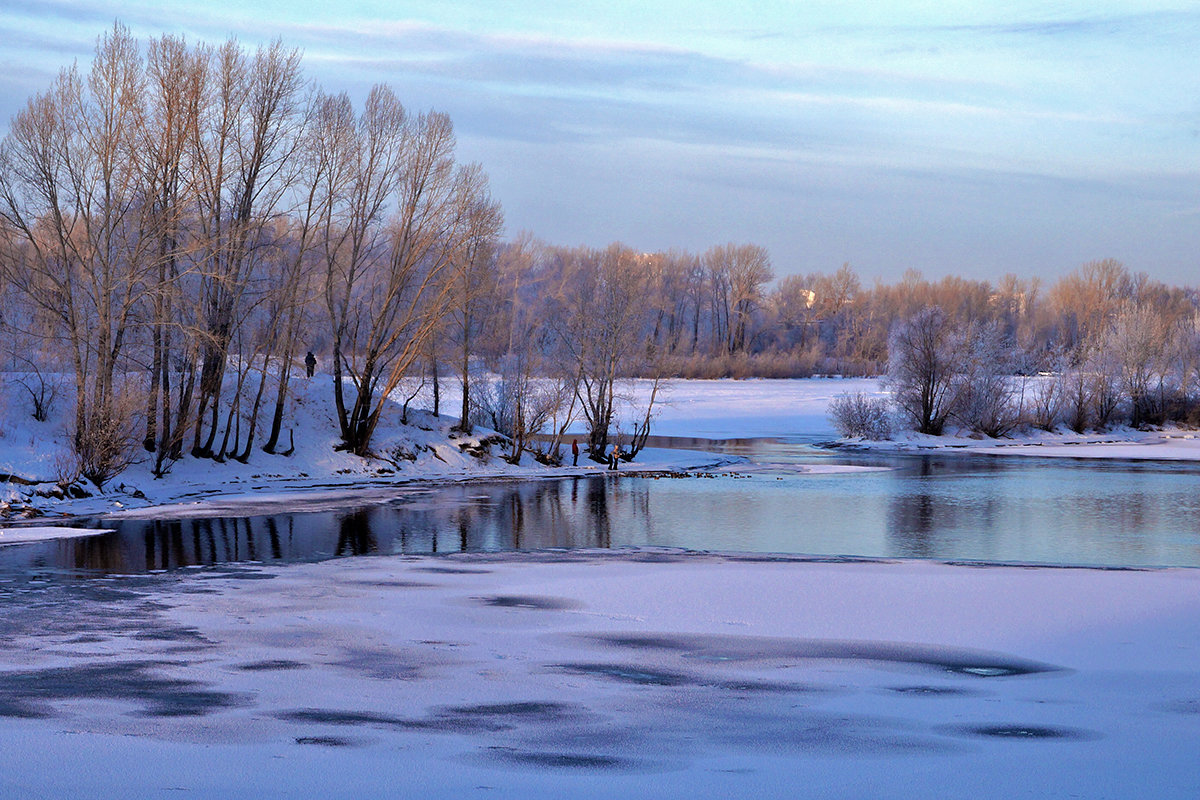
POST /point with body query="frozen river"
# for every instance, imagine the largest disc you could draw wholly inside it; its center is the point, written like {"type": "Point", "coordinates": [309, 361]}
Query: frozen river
{"type": "Point", "coordinates": [782, 500]}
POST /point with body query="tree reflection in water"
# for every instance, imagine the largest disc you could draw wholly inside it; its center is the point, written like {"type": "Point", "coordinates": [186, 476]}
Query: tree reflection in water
{"type": "Point", "coordinates": [354, 534]}
{"type": "Point", "coordinates": [531, 515]}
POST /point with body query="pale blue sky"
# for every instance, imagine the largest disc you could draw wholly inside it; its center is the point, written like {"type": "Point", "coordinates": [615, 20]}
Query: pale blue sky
{"type": "Point", "coordinates": [956, 138]}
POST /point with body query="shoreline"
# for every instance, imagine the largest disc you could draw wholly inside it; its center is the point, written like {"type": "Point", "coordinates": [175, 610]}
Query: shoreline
{"type": "Point", "coordinates": [268, 494]}
{"type": "Point", "coordinates": [1172, 445]}
{"type": "Point", "coordinates": [234, 498]}
{"type": "Point", "coordinates": [427, 452]}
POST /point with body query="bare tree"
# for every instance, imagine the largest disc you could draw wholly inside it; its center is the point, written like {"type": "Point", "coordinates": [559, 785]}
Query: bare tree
{"type": "Point", "coordinates": [600, 321]}
{"type": "Point", "coordinates": [474, 290]}
{"type": "Point", "coordinates": [1088, 300]}
{"type": "Point", "coordinates": [71, 190]}
{"type": "Point", "coordinates": [317, 184]}
{"type": "Point", "coordinates": [249, 132]}
{"type": "Point", "coordinates": [717, 282]}
{"type": "Point", "coordinates": [387, 284]}
{"type": "Point", "coordinates": [737, 275]}
{"type": "Point", "coordinates": [923, 368]}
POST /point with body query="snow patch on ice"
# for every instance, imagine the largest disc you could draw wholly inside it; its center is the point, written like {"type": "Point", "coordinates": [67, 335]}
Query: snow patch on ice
{"type": "Point", "coordinates": [44, 533]}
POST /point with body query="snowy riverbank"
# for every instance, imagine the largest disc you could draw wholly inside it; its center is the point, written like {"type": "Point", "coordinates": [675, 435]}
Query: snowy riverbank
{"type": "Point", "coordinates": [34, 456]}
{"type": "Point", "coordinates": [605, 674]}
{"type": "Point", "coordinates": [1124, 444]}
{"type": "Point", "coordinates": [315, 475]}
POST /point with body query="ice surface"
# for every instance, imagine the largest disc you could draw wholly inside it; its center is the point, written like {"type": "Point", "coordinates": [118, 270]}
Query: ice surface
{"type": "Point", "coordinates": [602, 674]}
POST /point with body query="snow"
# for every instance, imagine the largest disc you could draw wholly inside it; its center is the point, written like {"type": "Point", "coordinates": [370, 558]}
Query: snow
{"type": "Point", "coordinates": [314, 475]}
{"type": "Point", "coordinates": [1123, 444]}
{"type": "Point", "coordinates": [43, 533]}
{"type": "Point", "coordinates": [605, 674]}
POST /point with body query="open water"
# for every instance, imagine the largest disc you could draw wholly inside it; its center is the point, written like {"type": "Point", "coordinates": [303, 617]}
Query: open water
{"type": "Point", "coordinates": [944, 507]}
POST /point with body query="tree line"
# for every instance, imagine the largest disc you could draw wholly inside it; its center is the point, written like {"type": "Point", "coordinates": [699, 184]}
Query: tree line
{"type": "Point", "coordinates": [179, 218]}
{"type": "Point", "coordinates": [180, 222]}
{"type": "Point", "coordinates": [1104, 347]}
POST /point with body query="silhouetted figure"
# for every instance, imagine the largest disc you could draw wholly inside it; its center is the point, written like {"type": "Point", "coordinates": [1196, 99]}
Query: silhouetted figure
{"type": "Point", "coordinates": [310, 363]}
{"type": "Point", "coordinates": [615, 457]}
{"type": "Point", "coordinates": [574, 452]}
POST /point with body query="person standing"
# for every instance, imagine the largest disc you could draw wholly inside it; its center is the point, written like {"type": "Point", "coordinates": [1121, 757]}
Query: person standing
{"type": "Point", "coordinates": [574, 452]}
{"type": "Point", "coordinates": [310, 363]}
{"type": "Point", "coordinates": [616, 456]}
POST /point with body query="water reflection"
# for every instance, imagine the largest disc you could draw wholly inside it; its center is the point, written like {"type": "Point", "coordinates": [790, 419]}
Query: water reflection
{"type": "Point", "coordinates": [987, 509]}
{"type": "Point", "coordinates": [355, 535]}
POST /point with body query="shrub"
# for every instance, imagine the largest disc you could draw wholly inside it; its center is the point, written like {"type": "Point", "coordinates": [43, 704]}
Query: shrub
{"type": "Point", "coordinates": [106, 445]}
{"type": "Point", "coordinates": [1049, 402]}
{"type": "Point", "coordinates": [860, 415]}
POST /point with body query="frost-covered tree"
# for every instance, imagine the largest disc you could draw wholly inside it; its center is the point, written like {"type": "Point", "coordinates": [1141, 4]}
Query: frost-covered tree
{"type": "Point", "coordinates": [985, 395]}
{"type": "Point", "coordinates": [923, 369]}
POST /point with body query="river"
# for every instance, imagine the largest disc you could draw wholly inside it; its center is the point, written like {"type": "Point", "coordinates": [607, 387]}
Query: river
{"type": "Point", "coordinates": [944, 507]}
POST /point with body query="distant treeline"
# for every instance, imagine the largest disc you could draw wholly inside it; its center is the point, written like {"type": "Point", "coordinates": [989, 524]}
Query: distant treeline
{"type": "Point", "coordinates": [182, 223]}
{"type": "Point", "coordinates": [1103, 347]}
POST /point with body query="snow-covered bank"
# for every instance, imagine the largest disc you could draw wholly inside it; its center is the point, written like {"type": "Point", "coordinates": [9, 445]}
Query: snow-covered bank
{"type": "Point", "coordinates": [606, 674]}
{"type": "Point", "coordinates": [242, 491]}
{"type": "Point", "coordinates": [35, 458]}
{"type": "Point", "coordinates": [1124, 444]}
{"type": "Point", "coordinates": [316, 476]}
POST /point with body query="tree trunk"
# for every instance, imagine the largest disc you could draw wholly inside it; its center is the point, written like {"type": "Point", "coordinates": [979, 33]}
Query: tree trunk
{"type": "Point", "coordinates": [464, 421]}
{"type": "Point", "coordinates": [437, 389]}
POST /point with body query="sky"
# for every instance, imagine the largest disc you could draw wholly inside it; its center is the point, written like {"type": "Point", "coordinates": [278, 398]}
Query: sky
{"type": "Point", "coordinates": [954, 138]}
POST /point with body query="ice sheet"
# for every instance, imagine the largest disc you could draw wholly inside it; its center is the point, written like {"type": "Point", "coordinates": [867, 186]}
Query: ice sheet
{"type": "Point", "coordinates": [601, 674]}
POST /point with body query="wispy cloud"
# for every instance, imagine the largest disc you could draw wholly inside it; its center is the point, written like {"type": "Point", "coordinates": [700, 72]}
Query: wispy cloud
{"type": "Point", "coordinates": [1100, 25]}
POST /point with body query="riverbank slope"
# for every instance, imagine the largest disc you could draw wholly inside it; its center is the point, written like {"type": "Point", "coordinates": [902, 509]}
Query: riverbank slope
{"type": "Point", "coordinates": [41, 479]}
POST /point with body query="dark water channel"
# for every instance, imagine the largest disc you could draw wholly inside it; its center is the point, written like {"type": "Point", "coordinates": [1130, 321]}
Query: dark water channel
{"type": "Point", "coordinates": [941, 507]}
